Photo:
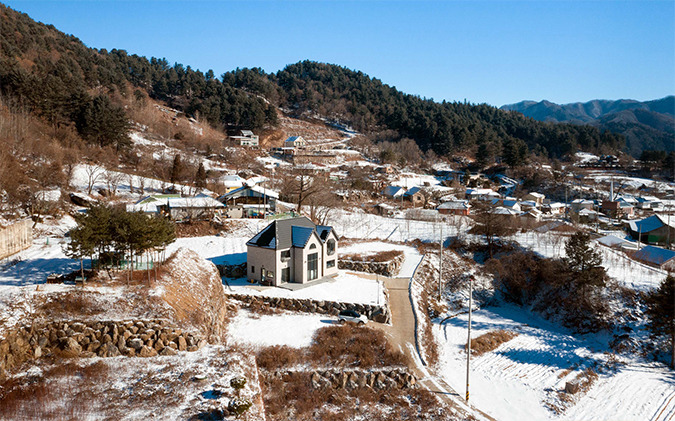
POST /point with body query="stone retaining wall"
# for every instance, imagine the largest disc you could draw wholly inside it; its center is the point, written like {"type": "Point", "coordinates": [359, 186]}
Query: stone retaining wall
{"type": "Point", "coordinates": [139, 338]}
{"type": "Point", "coordinates": [389, 268]}
{"type": "Point", "coordinates": [391, 378]}
{"type": "Point", "coordinates": [376, 313]}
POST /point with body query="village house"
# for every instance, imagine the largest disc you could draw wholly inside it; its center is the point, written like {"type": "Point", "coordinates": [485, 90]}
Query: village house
{"type": "Point", "coordinates": [657, 257]}
{"type": "Point", "coordinates": [295, 142]}
{"type": "Point", "coordinates": [393, 192]}
{"type": "Point", "coordinates": [415, 196]}
{"type": "Point", "coordinates": [455, 207]}
{"type": "Point", "coordinates": [232, 182]}
{"type": "Point", "coordinates": [153, 204]}
{"type": "Point", "coordinates": [245, 138]}
{"type": "Point", "coordinates": [535, 197]}
{"type": "Point", "coordinates": [579, 204]}
{"type": "Point", "coordinates": [178, 208]}
{"type": "Point", "coordinates": [249, 202]}
{"type": "Point", "coordinates": [508, 203]}
{"type": "Point", "coordinates": [384, 209]}
{"type": "Point", "coordinates": [617, 208]}
{"type": "Point", "coordinates": [655, 229]}
{"type": "Point", "coordinates": [292, 250]}
{"type": "Point", "coordinates": [200, 207]}
{"type": "Point", "coordinates": [481, 194]}
{"type": "Point", "coordinates": [588, 215]}
{"type": "Point", "coordinates": [533, 214]}
{"type": "Point", "coordinates": [554, 208]}
{"type": "Point", "coordinates": [649, 203]}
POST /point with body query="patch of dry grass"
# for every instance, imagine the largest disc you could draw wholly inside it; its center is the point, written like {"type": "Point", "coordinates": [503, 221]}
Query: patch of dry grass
{"type": "Point", "coordinates": [353, 346]}
{"type": "Point", "coordinates": [490, 341]}
{"type": "Point", "coordinates": [295, 399]}
{"type": "Point", "coordinates": [383, 256]}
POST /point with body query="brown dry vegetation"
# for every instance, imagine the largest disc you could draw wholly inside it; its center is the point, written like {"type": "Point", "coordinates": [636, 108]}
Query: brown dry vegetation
{"type": "Point", "coordinates": [296, 399]}
{"type": "Point", "coordinates": [42, 397]}
{"type": "Point", "coordinates": [337, 346]}
{"type": "Point", "coordinates": [490, 341]}
{"type": "Point", "coordinates": [203, 228]}
{"type": "Point", "coordinates": [353, 346]}
{"type": "Point", "coordinates": [383, 256]}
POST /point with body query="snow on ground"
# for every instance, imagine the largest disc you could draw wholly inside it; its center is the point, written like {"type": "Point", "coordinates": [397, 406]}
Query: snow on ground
{"type": "Point", "coordinates": [346, 288]}
{"type": "Point", "coordinates": [409, 180]}
{"type": "Point", "coordinates": [287, 328]}
{"type": "Point", "coordinates": [638, 391]}
{"type": "Point", "coordinates": [585, 157]}
{"type": "Point", "coordinates": [628, 181]}
{"type": "Point", "coordinates": [412, 256]}
{"type": "Point", "coordinates": [515, 381]}
{"type": "Point", "coordinates": [219, 250]}
{"type": "Point", "coordinates": [33, 265]}
{"type": "Point", "coordinates": [358, 224]}
{"type": "Point", "coordinates": [98, 177]}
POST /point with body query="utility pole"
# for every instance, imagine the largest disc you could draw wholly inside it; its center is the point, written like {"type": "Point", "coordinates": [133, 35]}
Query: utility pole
{"type": "Point", "coordinates": [468, 342]}
{"type": "Point", "coordinates": [440, 265]}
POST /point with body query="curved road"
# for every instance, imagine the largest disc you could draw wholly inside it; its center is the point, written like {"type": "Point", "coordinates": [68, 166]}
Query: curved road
{"type": "Point", "coordinates": [401, 334]}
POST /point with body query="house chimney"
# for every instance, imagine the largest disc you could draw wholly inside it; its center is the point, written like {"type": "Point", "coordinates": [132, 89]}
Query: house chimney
{"type": "Point", "coordinates": [611, 189]}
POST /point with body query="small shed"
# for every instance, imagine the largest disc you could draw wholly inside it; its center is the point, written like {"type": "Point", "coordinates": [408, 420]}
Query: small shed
{"type": "Point", "coordinates": [455, 207]}
{"type": "Point", "coordinates": [656, 256]}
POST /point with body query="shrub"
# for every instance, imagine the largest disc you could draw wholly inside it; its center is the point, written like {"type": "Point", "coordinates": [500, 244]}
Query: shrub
{"type": "Point", "coordinates": [238, 383]}
{"type": "Point", "coordinates": [277, 356]}
{"type": "Point", "coordinates": [353, 346]}
{"type": "Point", "coordinates": [490, 341]}
{"type": "Point", "coordinates": [238, 406]}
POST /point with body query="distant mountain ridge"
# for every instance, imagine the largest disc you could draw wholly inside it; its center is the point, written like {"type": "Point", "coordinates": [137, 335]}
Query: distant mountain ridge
{"type": "Point", "coordinates": [646, 124]}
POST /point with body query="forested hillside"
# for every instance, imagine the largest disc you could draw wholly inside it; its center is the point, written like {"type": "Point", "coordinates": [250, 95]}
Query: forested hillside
{"type": "Point", "coordinates": [370, 105]}
{"type": "Point", "coordinates": [648, 125]}
{"type": "Point", "coordinates": [61, 80]}
{"type": "Point", "coordinates": [57, 77]}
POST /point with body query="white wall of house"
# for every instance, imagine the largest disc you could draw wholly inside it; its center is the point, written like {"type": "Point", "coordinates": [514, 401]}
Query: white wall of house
{"type": "Point", "coordinates": [333, 257]}
{"type": "Point", "coordinates": [300, 264]}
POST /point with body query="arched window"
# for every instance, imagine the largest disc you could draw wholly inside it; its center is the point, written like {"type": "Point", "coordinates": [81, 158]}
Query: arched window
{"type": "Point", "coordinates": [330, 247]}
{"type": "Point", "coordinates": [313, 246]}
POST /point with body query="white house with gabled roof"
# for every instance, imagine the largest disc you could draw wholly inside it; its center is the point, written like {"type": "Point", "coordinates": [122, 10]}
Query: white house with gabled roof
{"type": "Point", "coordinates": [293, 250]}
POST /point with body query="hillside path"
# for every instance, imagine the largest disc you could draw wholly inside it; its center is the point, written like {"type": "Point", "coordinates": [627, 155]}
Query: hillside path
{"type": "Point", "coordinates": [401, 334]}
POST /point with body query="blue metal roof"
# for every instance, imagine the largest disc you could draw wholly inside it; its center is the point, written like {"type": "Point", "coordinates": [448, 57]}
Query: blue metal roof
{"type": "Point", "coordinates": [654, 255]}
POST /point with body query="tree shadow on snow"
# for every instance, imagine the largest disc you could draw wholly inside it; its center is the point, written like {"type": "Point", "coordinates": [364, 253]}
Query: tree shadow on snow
{"type": "Point", "coordinates": [35, 271]}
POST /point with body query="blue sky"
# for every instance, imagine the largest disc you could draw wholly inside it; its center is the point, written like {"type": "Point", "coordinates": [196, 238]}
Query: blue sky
{"type": "Point", "coordinates": [496, 52]}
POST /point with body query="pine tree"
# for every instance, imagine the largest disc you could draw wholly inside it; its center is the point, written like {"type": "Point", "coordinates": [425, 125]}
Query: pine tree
{"type": "Point", "coordinates": [200, 177]}
{"type": "Point", "coordinates": [176, 170]}
{"type": "Point", "coordinates": [584, 262]}
{"type": "Point", "coordinates": [661, 312]}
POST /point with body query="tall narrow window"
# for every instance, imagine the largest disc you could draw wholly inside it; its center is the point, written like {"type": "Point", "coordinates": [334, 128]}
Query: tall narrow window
{"type": "Point", "coordinates": [330, 247]}
{"type": "Point", "coordinates": [312, 266]}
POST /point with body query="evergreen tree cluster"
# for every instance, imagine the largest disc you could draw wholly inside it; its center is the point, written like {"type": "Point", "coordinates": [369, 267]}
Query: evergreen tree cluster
{"type": "Point", "coordinates": [52, 75]}
{"type": "Point", "coordinates": [106, 232]}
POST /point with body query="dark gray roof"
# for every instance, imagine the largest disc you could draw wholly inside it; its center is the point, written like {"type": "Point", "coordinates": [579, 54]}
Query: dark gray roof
{"type": "Point", "coordinates": [283, 233]}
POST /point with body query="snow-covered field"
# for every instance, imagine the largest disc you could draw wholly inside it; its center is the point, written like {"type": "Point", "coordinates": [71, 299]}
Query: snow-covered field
{"type": "Point", "coordinates": [517, 380]}
{"type": "Point", "coordinates": [346, 288]}
{"type": "Point", "coordinates": [600, 176]}
{"type": "Point", "coordinates": [358, 224]}
{"type": "Point", "coordinates": [286, 328]}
